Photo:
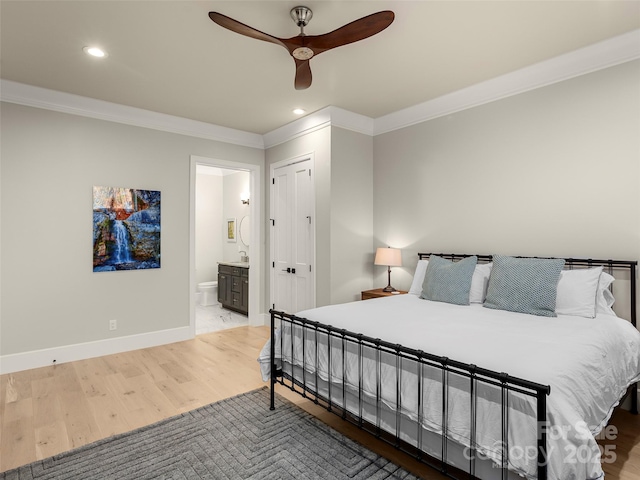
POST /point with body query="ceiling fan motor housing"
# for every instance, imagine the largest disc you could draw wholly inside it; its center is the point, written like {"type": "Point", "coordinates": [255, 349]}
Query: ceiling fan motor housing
{"type": "Point", "coordinates": [301, 15]}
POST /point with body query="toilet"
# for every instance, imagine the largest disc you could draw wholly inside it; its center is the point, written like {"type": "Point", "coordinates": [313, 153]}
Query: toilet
{"type": "Point", "coordinates": [208, 293]}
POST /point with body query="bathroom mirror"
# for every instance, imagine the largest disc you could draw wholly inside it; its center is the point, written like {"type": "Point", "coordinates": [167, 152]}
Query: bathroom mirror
{"type": "Point", "coordinates": [245, 230]}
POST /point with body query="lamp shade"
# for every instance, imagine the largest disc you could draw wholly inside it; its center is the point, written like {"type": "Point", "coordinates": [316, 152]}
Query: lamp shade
{"type": "Point", "coordinates": [391, 257]}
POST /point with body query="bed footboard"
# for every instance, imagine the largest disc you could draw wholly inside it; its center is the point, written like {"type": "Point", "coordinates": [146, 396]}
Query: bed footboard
{"type": "Point", "coordinates": [344, 394]}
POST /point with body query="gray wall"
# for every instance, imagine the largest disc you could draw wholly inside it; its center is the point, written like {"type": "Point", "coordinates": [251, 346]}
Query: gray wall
{"type": "Point", "coordinates": [351, 215]}
{"type": "Point", "coordinates": [555, 171]}
{"type": "Point", "coordinates": [50, 161]}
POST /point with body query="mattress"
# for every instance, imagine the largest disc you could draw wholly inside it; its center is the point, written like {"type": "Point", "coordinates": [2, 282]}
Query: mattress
{"type": "Point", "coordinates": [589, 364]}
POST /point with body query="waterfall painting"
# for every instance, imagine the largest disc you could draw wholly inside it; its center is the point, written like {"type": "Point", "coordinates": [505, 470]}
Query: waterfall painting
{"type": "Point", "coordinates": [126, 229]}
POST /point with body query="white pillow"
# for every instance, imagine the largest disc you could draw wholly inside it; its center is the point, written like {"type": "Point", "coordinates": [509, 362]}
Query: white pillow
{"type": "Point", "coordinates": [605, 298]}
{"type": "Point", "coordinates": [577, 292]}
{"type": "Point", "coordinates": [418, 277]}
{"type": "Point", "coordinates": [479, 283]}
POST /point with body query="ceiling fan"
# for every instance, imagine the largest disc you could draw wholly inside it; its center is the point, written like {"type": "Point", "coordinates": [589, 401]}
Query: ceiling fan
{"type": "Point", "coordinates": [303, 47]}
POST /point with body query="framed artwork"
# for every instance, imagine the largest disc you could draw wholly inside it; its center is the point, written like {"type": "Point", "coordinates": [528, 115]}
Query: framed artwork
{"type": "Point", "coordinates": [231, 230]}
{"type": "Point", "coordinates": [126, 229]}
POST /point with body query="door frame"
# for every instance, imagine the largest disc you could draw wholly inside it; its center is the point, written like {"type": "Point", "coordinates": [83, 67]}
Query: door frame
{"type": "Point", "coordinates": [256, 317]}
{"type": "Point", "coordinates": [272, 168]}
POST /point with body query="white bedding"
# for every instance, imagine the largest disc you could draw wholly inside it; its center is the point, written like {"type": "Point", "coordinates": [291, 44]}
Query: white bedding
{"type": "Point", "coordinates": [589, 363]}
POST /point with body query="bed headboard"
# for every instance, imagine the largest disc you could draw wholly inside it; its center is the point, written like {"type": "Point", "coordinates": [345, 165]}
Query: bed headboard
{"type": "Point", "coordinates": [623, 268]}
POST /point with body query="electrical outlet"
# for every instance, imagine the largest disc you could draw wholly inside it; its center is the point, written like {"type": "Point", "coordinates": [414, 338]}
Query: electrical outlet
{"type": "Point", "coordinates": [113, 324]}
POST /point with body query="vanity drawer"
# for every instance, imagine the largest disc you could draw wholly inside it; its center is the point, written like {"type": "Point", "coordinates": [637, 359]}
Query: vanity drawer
{"type": "Point", "coordinates": [233, 287]}
{"type": "Point", "coordinates": [226, 269]}
{"type": "Point", "coordinates": [236, 284]}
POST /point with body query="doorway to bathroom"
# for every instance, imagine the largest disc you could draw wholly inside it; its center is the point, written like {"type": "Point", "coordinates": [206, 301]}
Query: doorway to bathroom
{"type": "Point", "coordinates": [222, 242]}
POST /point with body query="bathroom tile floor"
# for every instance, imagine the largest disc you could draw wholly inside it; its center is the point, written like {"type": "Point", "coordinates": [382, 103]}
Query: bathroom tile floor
{"type": "Point", "coordinates": [213, 318]}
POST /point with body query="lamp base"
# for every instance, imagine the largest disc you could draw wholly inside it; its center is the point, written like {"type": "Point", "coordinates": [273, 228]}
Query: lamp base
{"type": "Point", "coordinates": [389, 288]}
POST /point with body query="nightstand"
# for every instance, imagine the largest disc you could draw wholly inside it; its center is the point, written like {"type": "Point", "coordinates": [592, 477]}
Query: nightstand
{"type": "Point", "coordinates": [377, 292]}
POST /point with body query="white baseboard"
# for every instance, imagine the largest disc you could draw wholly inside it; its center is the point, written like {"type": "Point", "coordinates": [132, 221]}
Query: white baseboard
{"type": "Point", "coordinates": [69, 353]}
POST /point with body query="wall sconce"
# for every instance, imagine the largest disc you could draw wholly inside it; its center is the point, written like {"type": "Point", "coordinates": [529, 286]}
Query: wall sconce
{"type": "Point", "coordinates": [244, 198]}
{"type": "Point", "coordinates": [391, 257]}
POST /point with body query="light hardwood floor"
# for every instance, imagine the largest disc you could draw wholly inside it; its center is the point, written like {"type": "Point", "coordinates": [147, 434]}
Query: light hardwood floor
{"type": "Point", "coordinates": [48, 410]}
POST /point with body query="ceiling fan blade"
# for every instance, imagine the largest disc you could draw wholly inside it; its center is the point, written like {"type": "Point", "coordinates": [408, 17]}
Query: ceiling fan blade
{"type": "Point", "coordinates": [303, 74]}
{"type": "Point", "coordinates": [360, 29]}
{"type": "Point", "coordinates": [242, 29]}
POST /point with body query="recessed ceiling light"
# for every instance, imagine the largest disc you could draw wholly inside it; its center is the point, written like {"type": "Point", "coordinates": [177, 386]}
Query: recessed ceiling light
{"type": "Point", "coordinates": [298, 111]}
{"type": "Point", "coordinates": [95, 52]}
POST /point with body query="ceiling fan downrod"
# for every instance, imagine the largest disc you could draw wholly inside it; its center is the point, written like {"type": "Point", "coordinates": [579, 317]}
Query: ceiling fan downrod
{"type": "Point", "coordinates": [302, 16]}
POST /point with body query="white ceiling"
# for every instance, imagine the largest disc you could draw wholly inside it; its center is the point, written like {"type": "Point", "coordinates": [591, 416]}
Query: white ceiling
{"type": "Point", "coordinates": [169, 57]}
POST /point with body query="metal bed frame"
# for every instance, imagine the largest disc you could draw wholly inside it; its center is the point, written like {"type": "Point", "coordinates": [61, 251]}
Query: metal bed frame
{"type": "Point", "coordinates": [476, 376]}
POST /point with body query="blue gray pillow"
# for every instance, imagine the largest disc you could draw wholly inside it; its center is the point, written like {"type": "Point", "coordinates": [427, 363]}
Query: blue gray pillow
{"type": "Point", "coordinates": [447, 281]}
{"type": "Point", "coordinates": [525, 285]}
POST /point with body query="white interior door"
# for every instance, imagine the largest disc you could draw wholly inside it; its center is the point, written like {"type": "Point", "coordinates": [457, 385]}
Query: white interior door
{"type": "Point", "coordinates": [292, 237]}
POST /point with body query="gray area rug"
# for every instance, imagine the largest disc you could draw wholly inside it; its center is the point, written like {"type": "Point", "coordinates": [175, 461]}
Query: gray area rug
{"type": "Point", "coordinates": [236, 438]}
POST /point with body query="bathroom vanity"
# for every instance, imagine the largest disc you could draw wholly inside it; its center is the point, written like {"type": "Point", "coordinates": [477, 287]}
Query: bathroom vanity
{"type": "Point", "coordinates": [233, 286]}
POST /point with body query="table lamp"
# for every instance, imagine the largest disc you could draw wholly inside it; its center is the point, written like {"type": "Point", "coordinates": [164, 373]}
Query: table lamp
{"type": "Point", "coordinates": [391, 257]}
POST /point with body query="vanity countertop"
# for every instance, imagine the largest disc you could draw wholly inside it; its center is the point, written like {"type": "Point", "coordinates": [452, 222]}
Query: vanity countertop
{"type": "Point", "coordinates": [235, 264]}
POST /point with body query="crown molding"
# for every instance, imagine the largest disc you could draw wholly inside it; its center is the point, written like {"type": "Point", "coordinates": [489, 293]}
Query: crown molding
{"type": "Point", "coordinates": [29, 95]}
{"type": "Point", "coordinates": [605, 54]}
{"type": "Point", "coordinates": [331, 115]}
{"type": "Point", "coordinates": [303, 126]}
